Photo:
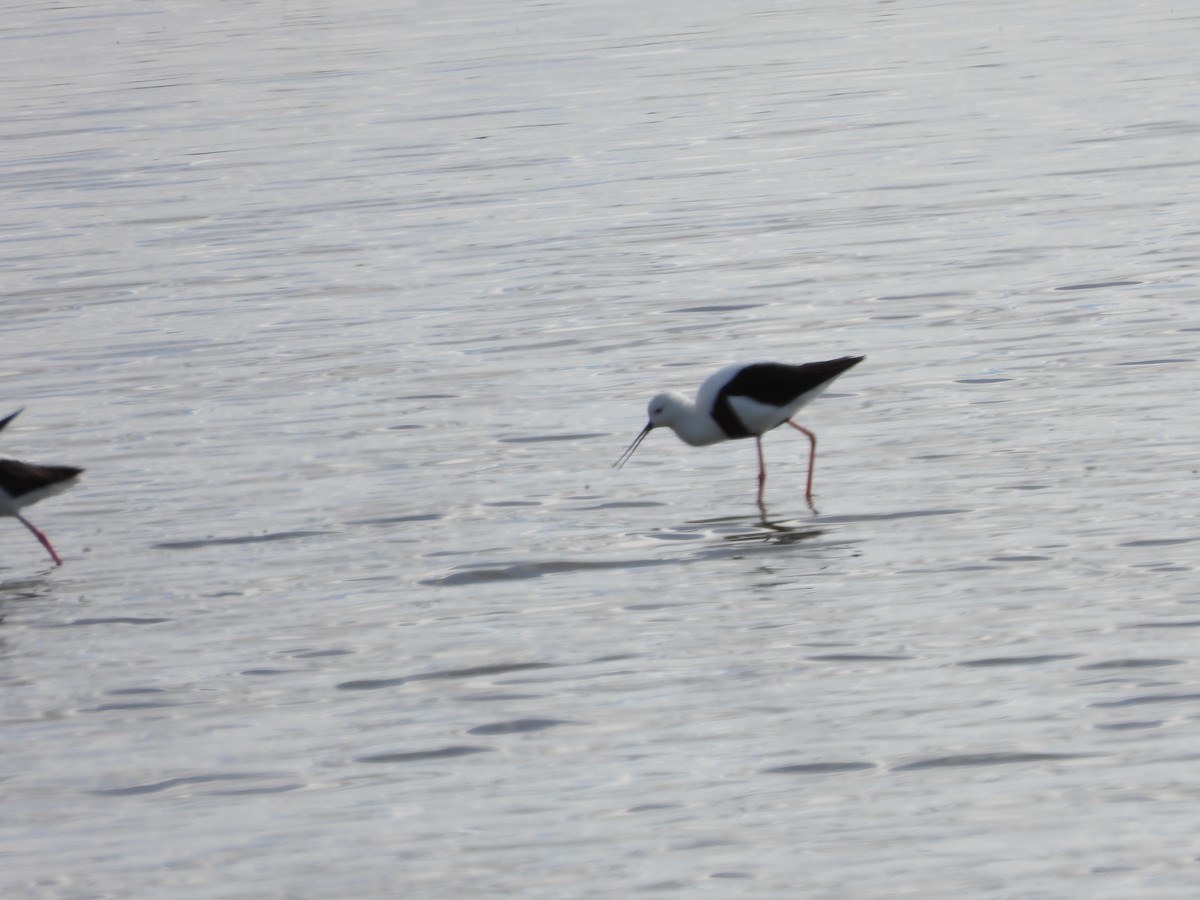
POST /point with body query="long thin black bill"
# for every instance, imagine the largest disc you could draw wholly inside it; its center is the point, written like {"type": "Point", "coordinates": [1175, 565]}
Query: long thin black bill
{"type": "Point", "coordinates": [637, 440]}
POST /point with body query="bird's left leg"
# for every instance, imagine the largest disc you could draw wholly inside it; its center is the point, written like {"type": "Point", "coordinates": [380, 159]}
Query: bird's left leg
{"type": "Point", "coordinates": [762, 469]}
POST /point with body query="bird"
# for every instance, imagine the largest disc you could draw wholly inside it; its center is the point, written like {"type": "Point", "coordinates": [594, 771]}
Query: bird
{"type": "Point", "coordinates": [23, 484]}
{"type": "Point", "coordinates": [741, 401]}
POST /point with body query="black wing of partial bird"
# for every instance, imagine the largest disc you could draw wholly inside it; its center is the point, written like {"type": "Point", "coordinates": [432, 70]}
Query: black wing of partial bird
{"type": "Point", "coordinates": [10, 417]}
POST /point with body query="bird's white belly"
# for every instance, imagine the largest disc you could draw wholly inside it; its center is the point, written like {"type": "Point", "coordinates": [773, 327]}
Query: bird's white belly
{"type": "Point", "coordinates": [759, 418]}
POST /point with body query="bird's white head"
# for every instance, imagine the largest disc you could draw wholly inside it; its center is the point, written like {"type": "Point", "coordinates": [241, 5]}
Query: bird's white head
{"type": "Point", "coordinates": [666, 409]}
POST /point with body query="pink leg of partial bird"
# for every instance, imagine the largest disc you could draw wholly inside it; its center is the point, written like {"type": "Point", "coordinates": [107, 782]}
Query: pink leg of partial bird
{"type": "Point", "coordinates": [762, 470]}
{"type": "Point", "coordinates": [41, 537]}
{"type": "Point", "coordinates": [812, 456]}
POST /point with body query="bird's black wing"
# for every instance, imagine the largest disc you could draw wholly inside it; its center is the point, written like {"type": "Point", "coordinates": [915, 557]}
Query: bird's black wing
{"type": "Point", "coordinates": [10, 417]}
{"type": "Point", "coordinates": [777, 384]}
{"type": "Point", "coordinates": [20, 478]}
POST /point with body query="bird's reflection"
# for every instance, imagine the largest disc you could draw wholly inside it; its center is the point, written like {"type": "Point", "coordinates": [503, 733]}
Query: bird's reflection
{"type": "Point", "coordinates": [762, 509]}
{"type": "Point", "coordinates": [763, 530]}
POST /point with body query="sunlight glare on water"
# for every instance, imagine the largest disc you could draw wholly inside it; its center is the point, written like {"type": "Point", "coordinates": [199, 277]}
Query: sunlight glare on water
{"type": "Point", "coordinates": [348, 309]}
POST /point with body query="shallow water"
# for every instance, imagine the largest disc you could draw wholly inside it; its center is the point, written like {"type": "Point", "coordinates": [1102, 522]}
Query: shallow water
{"type": "Point", "coordinates": [348, 309]}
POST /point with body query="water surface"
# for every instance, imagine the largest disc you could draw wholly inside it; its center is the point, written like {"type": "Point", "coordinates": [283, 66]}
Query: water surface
{"type": "Point", "coordinates": [349, 308]}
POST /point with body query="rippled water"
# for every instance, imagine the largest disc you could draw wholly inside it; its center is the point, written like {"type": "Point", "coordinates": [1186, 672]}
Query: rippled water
{"type": "Point", "coordinates": [348, 310]}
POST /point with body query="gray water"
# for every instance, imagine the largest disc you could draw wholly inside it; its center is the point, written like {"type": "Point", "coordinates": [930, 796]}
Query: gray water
{"type": "Point", "coordinates": [348, 308]}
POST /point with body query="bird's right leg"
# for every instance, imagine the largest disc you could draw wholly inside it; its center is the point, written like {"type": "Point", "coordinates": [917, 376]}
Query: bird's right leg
{"type": "Point", "coordinates": [41, 537]}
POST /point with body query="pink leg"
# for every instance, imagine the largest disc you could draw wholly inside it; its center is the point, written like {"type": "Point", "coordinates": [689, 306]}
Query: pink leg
{"type": "Point", "coordinates": [762, 470]}
{"type": "Point", "coordinates": [41, 537]}
{"type": "Point", "coordinates": [812, 456]}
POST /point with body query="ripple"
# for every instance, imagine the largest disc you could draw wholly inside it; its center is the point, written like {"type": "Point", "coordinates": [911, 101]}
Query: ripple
{"type": "Point", "coordinates": [477, 671]}
{"type": "Point", "coordinates": [397, 520]}
{"type": "Point", "coordinates": [1153, 362]}
{"type": "Point", "coordinates": [1096, 285]}
{"type": "Point", "coordinates": [711, 309]}
{"type": "Point", "coordinates": [170, 783]}
{"type": "Point", "coordinates": [1132, 663]}
{"type": "Point", "coordinates": [517, 726]}
{"type": "Point", "coordinates": [1158, 542]}
{"type": "Point", "coordinates": [1018, 660]}
{"type": "Point", "coordinates": [245, 539]}
{"type": "Point", "coordinates": [826, 768]}
{"type": "Point", "coordinates": [626, 504]}
{"type": "Point", "coordinates": [1146, 699]}
{"type": "Point", "coordinates": [892, 516]}
{"type": "Point", "coordinates": [986, 759]}
{"type": "Point", "coordinates": [422, 755]}
{"type": "Point", "coordinates": [111, 620]}
{"type": "Point", "coordinates": [373, 684]}
{"type": "Point", "coordinates": [517, 571]}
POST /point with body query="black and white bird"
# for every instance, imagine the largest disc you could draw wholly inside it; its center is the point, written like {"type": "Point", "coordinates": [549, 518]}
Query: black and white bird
{"type": "Point", "coordinates": [745, 400]}
{"type": "Point", "coordinates": [23, 484]}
